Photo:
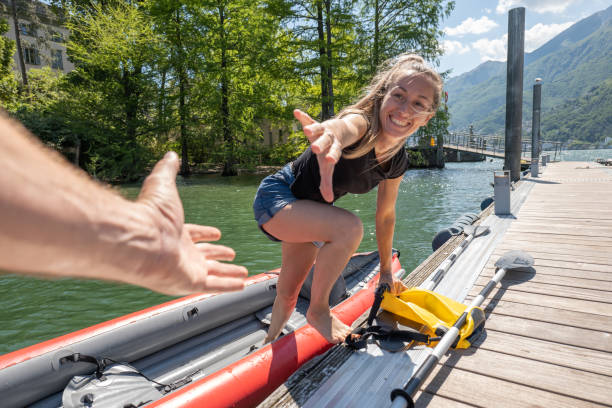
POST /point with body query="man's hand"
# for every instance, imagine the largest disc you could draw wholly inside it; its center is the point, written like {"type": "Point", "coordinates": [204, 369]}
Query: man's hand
{"type": "Point", "coordinates": [185, 265]}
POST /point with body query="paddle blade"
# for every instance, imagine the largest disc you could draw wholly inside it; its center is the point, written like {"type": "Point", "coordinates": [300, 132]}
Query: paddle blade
{"type": "Point", "coordinates": [476, 230]}
{"type": "Point", "coordinates": [515, 260]}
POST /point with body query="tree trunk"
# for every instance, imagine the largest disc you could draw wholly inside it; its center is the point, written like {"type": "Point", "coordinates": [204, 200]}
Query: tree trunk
{"type": "Point", "coordinates": [130, 92]}
{"type": "Point", "coordinates": [322, 64]}
{"type": "Point", "coordinates": [24, 74]}
{"type": "Point", "coordinates": [161, 106]}
{"type": "Point", "coordinates": [228, 167]}
{"type": "Point", "coordinates": [182, 77]}
{"type": "Point", "coordinates": [330, 84]}
{"type": "Point", "coordinates": [376, 49]}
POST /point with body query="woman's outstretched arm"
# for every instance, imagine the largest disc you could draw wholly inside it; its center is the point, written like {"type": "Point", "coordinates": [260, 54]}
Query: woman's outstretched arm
{"type": "Point", "coordinates": [327, 139]}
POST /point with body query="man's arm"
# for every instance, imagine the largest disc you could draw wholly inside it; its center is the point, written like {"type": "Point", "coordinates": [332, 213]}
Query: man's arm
{"type": "Point", "coordinates": [55, 220]}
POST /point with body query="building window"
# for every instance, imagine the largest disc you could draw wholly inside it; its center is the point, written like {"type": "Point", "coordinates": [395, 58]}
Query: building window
{"type": "Point", "coordinates": [30, 56]}
{"type": "Point", "coordinates": [57, 37]}
{"type": "Point", "coordinates": [56, 59]}
{"type": "Point", "coordinates": [27, 29]}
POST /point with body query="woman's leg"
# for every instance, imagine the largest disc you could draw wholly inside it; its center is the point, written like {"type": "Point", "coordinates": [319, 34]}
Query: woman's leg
{"type": "Point", "coordinates": [296, 263]}
{"type": "Point", "coordinates": [302, 222]}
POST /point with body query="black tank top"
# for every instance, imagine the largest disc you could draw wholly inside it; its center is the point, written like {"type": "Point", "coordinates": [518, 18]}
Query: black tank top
{"type": "Point", "coordinates": [355, 176]}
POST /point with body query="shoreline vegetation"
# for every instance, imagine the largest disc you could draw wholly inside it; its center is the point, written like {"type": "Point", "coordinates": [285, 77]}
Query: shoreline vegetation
{"type": "Point", "coordinates": [152, 76]}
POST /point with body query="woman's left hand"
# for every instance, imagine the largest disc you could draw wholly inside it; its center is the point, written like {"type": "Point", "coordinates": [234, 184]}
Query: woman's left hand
{"type": "Point", "coordinates": [396, 286]}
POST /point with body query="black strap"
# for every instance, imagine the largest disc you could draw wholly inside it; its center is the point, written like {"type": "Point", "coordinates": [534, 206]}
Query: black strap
{"type": "Point", "coordinates": [378, 298]}
{"type": "Point", "coordinates": [359, 338]}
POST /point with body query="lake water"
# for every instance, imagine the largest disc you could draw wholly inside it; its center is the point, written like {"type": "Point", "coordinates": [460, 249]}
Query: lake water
{"type": "Point", "coordinates": [33, 310]}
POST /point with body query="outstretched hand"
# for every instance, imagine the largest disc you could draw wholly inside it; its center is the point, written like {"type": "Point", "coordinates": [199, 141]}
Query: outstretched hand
{"type": "Point", "coordinates": [326, 145]}
{"type": "Point", "coordinates": [185, 265]}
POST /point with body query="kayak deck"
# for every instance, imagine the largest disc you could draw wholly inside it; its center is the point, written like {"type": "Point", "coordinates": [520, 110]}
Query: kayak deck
{"type": "Point", "coordinates": [194, 337]}
{"type": "Point", "coordinates": [547, 339]}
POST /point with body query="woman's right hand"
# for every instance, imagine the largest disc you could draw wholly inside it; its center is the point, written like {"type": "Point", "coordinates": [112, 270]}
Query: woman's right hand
{"type": "Point", "coordinates": [326, 145]}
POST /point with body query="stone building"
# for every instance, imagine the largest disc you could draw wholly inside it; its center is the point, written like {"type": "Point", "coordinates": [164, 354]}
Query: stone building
{"type": "Point", "coordinates": [42, 36]}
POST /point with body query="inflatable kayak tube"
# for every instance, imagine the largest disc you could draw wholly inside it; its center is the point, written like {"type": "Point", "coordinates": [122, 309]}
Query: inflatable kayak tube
{"type": "Point", "coordinates": [208, 347]}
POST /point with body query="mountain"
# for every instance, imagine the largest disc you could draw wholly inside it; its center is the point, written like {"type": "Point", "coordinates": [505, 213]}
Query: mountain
{"type": "Point", "coordinates": [574, 66]}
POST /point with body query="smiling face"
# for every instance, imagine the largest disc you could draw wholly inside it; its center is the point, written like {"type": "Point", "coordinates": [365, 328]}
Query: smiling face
{"type": "Point", "coordinates": [406, 106]}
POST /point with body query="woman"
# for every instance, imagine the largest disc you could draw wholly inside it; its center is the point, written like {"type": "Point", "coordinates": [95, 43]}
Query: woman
{"type": "Point", "coordinates": [362, 148]}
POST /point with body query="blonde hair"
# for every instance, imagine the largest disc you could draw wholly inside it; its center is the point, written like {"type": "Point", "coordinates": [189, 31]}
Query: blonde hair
{"type": "Point", "coordinates": [369, 104]}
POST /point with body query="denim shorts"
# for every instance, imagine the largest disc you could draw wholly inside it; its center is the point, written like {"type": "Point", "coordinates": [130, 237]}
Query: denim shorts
{"type": "Point", "coordinates": [273, 194]}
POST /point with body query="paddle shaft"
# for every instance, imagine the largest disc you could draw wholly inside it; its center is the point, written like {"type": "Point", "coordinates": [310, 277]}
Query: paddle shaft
{"type": "Point", "coordinates": [402, 397]}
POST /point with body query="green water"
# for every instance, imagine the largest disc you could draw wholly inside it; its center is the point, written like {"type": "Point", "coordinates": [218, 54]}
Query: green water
{"type": "Point", "coordinates": [33, 310]}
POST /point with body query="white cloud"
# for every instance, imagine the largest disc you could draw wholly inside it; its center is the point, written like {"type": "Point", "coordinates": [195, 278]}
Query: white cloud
{"type": "Point", "coordinates": [540, 33]}
{"type": "Point", "coordinates": [492, 49]}
{"type": "Point", "coordinates": [471, 26]}
{"type": "Point", "coordinates": [538, 6]}
{"type": "Point", "coordinates": [487, 10]}
{"type": "Point", "coordinates": [454, 47]}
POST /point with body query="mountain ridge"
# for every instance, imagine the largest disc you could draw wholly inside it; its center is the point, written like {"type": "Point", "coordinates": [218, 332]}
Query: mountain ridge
{"type": "Point", "coordinates": [572, 64]}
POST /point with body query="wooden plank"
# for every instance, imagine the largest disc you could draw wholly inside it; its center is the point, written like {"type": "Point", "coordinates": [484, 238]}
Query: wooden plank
{"type": "Point", "coordinates": [561, 264]}
{"type": "Point", "coordinates": [567, 221]}
{"type": "Point", "coordinates": [572, 258]}
{"type": "Point", "coordinates": [553, 290]}
{"type": "Point", "coordinates": [533, 311]}
{"type": "Point", "coordinates": [425, 399]}
{"type": "Point", "coordinates": [466, 386]}
{"type": "Point", "coordinates": [564, 355]}
{"type": "Point", "coordinates": [550, 279]}
{"type": "Point", "coordinates": [565, 381]}
{"type": "Point", "coordinates": [559, 272]}
{"type": "Point", "coordinates": [557, 333]}
{"type": "Point", "coordinates": [560, 230]}
{"type": "Point", "coordinates": [598, 251]}
{"type": "Point", "coordinates": [555, 302]}
{"type": "Point", "coordinates": [565, 239]}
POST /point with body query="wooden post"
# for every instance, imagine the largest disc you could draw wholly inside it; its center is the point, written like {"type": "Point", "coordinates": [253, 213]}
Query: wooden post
{"type": "Point", "coordinates": [535, 127]}
{"type": "Point", "coordinates": [514, 91]}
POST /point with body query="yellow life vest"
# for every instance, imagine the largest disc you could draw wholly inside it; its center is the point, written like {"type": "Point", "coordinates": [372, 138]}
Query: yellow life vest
{"type": "Point", "coordinates": [435, 314]}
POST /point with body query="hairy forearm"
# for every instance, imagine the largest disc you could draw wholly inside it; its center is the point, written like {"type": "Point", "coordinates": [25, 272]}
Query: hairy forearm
{"type": "Point", "coordinates": [57, 221]}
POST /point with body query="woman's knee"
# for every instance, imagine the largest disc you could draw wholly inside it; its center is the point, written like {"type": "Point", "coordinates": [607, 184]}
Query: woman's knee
{"type": "Point", "coordinates": [351, 227]}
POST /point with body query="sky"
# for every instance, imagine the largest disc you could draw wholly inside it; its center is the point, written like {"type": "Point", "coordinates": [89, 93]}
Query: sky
{"type": "Point", "coordinates": [476, 31]}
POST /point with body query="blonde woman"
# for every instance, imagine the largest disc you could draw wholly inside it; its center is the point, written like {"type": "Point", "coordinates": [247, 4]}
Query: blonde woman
{"type": "Point", "coordinates": [363, 147]}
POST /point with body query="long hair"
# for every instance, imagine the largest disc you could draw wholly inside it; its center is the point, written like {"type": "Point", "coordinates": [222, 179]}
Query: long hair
{"type": "Point", "coordinates": [369, 104]}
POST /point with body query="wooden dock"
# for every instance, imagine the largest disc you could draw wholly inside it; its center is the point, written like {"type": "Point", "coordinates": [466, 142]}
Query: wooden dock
{"type": "Point", "coordinates": [548, 338]}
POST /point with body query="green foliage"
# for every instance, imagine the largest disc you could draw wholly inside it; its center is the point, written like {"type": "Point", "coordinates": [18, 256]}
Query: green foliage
{"type": "Point", "coordinates": [586, 118]}
{"type": "Point", "coordinates": [203, 77]}
{"type": "Point", "coordinates": [416, 158]}
{"type": "Point", "coordinates": [282, 153]}
{"type": "Point", "coordinates": [8, 83]}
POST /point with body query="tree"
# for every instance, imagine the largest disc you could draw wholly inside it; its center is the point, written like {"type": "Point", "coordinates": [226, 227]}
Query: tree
{"type": "Point", "coordinates": [7, 78]}
{"type": "Point", "coordinates": [321, 32]}
{"type": "Point", "coordinates": [393, 27]}
{"type": "Point", "coordinates": [112, 47]}
{"type": "Point", "coordinates": [22, 67]}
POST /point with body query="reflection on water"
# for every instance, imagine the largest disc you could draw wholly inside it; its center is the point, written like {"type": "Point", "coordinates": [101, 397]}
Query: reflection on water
{"type": "Point", "coordinates": [33, 310]}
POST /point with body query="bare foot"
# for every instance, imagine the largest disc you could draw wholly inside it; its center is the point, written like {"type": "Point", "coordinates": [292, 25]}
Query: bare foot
{"type": "Point", "coordinates": [328, 325]}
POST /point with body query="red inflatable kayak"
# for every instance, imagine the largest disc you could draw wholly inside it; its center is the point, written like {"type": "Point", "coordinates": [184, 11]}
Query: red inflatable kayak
{"type": "Point", "coordinates": [204, 350]}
